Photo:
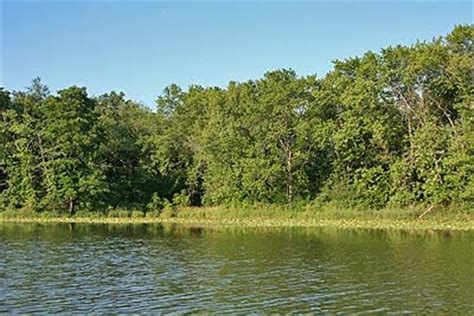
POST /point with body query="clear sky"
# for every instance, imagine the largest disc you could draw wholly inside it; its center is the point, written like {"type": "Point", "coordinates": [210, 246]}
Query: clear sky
{"type": "Point", "coordinates": [140, 48]}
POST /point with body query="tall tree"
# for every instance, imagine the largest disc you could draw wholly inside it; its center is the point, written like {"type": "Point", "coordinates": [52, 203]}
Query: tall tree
{"type": "Point", "coordinates": [71, 139]}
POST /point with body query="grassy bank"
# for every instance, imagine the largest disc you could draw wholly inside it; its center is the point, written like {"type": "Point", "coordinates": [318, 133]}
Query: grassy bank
{"type": "Point", "coordinates": [268, 216]}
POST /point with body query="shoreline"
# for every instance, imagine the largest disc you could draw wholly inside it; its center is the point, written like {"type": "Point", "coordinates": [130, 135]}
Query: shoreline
{"type": "Point", "coordinates": [444, 224]}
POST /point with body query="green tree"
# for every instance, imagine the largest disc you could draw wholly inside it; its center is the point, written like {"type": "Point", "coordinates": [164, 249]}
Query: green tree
{"type": "Point", "coordinates": [71, 139]}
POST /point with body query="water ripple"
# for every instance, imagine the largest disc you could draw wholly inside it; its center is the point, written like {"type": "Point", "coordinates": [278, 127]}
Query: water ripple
{"type": "Point", "coordinates": [146, 269]}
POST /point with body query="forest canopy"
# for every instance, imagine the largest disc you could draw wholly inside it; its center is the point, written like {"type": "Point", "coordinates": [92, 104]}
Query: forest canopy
{"type": "Point", "coordinates": [394, 128]}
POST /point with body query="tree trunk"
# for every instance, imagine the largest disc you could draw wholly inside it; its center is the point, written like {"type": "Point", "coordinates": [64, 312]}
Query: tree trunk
{"type": "Point", "coordinates": [410, 136]}
{"type": "Point", "coordinates": [289, 173]}
{"type": "Point", "coordinates": [426, 212]}
{"type": "Point", "coordinates": [71, 207]}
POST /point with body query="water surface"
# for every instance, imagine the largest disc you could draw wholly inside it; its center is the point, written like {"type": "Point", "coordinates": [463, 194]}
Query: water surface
{"type": "Point", "coordinates": [59, 268]}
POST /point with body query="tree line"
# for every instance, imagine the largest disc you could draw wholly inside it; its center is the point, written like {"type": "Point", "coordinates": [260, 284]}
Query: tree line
{"type": "Point", "coordinates": [393, 128]}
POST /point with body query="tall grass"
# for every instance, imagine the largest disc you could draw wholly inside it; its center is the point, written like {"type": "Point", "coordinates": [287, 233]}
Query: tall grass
{"type": "Point", "coordinates": [262, 215]}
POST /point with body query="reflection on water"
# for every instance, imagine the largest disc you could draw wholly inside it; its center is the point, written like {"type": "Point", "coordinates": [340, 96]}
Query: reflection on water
{"type": "Point", "coordinates": [85, 268]}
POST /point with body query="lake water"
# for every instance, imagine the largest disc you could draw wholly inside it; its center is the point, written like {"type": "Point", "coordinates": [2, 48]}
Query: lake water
{"type": "Point", "coordinates": [60, 268]}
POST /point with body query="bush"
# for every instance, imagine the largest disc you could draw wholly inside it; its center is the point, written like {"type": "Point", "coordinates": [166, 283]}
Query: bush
{"type": "Point", "coordinates": [169, 211]}
{"type": "Point", "coordinates": [153, 214]}
{"type": "Point", "coordinates": [119, 213]}
{"type": "Point", "coordinates": [181, 199]}
{"type": "Point", "coordinates": [137, 214]}
{"type": "Point", "coordinates": [156, 203]}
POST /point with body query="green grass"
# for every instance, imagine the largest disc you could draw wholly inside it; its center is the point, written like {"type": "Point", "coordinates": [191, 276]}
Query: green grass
{"type": "Point", "coordinates": [270, 216]}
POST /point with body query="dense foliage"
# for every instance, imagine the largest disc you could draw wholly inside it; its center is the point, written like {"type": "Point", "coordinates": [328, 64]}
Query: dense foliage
{"type": "Point", "coordinates": [393, 128]}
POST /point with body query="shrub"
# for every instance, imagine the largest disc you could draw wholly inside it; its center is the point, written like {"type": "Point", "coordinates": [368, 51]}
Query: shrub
{"type": "Point", "coordinates": [137, 214]}
{"type": "Point", "coordinates": [169, 211]}
{"type": "Point", "coordinates": [119, 213]}
{"type": "Point", "coordinates": [156, 203]}
{"type": "Point", "coordinates": [181, 199]}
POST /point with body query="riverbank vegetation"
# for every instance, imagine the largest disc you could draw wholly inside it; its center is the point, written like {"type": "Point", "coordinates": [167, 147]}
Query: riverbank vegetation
{"type": "Point", "coordinates": [389, 130]}
{"type": "Point", "coordinates": [264, 216]}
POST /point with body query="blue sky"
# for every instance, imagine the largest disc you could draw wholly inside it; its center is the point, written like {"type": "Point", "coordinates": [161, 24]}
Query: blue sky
{"type": "Point", "coordinates": [140, 48]}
